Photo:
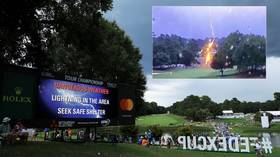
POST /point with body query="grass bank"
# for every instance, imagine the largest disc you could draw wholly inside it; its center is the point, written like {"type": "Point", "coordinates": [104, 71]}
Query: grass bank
{"type": "Point", "coordinates": [57, 149]}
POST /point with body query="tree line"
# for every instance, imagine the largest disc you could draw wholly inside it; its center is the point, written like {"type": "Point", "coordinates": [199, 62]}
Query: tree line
{"type": "Point", "coordinates": [245, 51]}
{"type": "Point", "coordinates": [199, 108]}
{"type": "Point", "coordinates": [151, 108]}
{"type": "Point", "coordinates": [173, 49]}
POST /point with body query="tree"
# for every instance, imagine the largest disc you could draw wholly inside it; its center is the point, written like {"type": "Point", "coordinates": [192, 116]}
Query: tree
{"type": "Point", "coordinates": [20, 32]}
{"type": "Point", "coordinates": [277, 96]}
{"type": "Point", "coordinates": [277, 99]}
{"type": "Point", "coordinates": [188, 58]}
{"type": "Point", "coordinates": [151, 108]}
{"type": "Point", "coordinates": [72, 37]}
{"type": "Point", "coordinates": [247, 52]}
{"type": "Point", "coordinates": [193, 47]}
{"type": "Point", "coordinates": [190, 53]}
{"type": "Point", "coordinates": [258, 115]}
{"type": "Point", "coordinates": [200, 108]}
{"type": "Point", "coordinates": [157, 132]}
{"type": "Point", "coordinates": [173, 49]}
{"type": "Point", "coordinates": [197, 114]}
{"type": "Point", "coordinates": [27, 25]}
{"type": "Point", "coordinates": [201, 115]}
{"type": "Point", "coordinates": [161, 58]}
{"type": "Point", "coordinates": [218, 62]}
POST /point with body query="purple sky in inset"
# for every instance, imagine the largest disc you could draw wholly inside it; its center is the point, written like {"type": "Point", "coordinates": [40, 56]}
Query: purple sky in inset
{"type": "Point", "coordinates": [195, 21]}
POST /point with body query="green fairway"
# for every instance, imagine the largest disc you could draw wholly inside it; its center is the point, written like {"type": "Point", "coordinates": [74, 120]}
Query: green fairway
{"type": "Point", "coordinates": [247, 127]}
{"type": "Point", "coordinates": [170, 122]}
{"type": "Point", "coordinates": [194, 73]}
{"type": "Point", "coordinates": [160, 119]}
{"type": "Point", "coordinates": [55, 149]}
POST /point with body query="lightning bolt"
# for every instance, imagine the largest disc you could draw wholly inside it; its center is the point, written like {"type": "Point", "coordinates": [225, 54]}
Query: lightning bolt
{"type": "Point", "coordinates": [208, 55]}
{"type": "Point", "coordinates": [211, 23]}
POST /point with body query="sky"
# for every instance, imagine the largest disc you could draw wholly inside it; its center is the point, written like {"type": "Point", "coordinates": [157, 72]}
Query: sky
{"type": "Point", "coordinates": [199, 22]}
{"type": "Point", "coordinates": [135, 18]}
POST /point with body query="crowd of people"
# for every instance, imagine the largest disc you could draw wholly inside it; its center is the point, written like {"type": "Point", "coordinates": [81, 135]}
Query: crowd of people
{"type": "Point", "coordinates": [147, 139]}
{"type": "Point", "coordinates": [10, 134]}
{"type": "Point", "coordinates": [223, 130]}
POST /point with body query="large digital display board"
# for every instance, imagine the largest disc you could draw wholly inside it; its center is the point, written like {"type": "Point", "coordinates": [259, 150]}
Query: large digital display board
{"type": "Point", "coordinates": [71, 100]}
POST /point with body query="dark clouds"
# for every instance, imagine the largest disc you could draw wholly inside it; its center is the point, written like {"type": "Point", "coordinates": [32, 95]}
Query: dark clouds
{"type": "Point", "coordinates": [196, 21]}
{"type": "Point", "coordinates": [273, 28]}
{"type": "Point", "coordinates": [135, 17]}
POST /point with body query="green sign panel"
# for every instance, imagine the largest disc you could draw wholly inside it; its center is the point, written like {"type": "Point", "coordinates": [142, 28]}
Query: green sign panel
{"type": "Point", "coordinates": [17, 94]}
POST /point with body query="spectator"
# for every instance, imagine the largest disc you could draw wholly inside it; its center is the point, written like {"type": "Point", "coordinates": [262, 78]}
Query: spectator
{"type": "Point", "coordinates": [69, 133]}
{"type": "Point", "coordinates": [140, 140]}
{"type": "Point", "coordinates": [34, 135]}
{"type": "Point", "coordinates": [150, 136]}
{"type": "Point", "coordinates": [5, 130]}
{"type": "Point", "coordinates": [46, 136]}
{"type": "Point", "coordinates": [258, 146]}
{"type": "Point", "coordinates": [130, 139]}
{"type": "Point", "coordinates": [162, 141]}
{"type": "Point", "coordinates": [145, 142]}
{"type": "Point", "coordinates": [168, 142]}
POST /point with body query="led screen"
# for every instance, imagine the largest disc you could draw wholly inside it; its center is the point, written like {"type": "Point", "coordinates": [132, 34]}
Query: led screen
{"type": "Point", "coordinates": [71, 100]}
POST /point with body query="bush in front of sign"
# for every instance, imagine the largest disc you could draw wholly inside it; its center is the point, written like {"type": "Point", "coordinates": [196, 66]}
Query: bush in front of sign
{"type": "Point", "coordinates": [156, 131]}
{"type": "Point", "coordinates": [184, 130]}
{"type": "Point", "coordinates": [130, 130]}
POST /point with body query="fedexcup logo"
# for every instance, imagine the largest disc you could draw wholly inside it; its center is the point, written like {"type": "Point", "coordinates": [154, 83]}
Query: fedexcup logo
{"type": "Point", "coordinates": [224, 144]}
{"type": "Point", "coordinates": [17, 98]}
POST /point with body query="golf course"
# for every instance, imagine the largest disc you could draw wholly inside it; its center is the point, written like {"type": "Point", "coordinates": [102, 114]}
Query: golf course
{"type": "Point", "coordinates": [242, 126]}
{"type": "Point", "coordinates": [194, 73]}
{"type": "Point", "coordinates": [169, 123]}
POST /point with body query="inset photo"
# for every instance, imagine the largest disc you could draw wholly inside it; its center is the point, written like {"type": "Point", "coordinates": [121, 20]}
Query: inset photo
{"type": "Point", "coordinates": [209, 41]}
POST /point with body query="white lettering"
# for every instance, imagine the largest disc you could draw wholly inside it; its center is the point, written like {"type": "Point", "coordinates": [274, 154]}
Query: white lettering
{"type": "Point", "coordinates": [182, 140]}
{"type": "Point", "coordinates": [233, 144]}
{"type": "Point", "coordinates": [245, 143]}
{"type": "Point", "coordinates": [212, 145]}
{"type": "Point", "coordinates": [222, 144]}
{"type": "Point", "coordinates": [64, 111]}
{"type": "Point", "coordinates": [202, 146]}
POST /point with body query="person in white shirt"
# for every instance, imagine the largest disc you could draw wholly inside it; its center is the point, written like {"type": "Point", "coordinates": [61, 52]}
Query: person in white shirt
{"type": "Point", "coordinates": [259, 152]}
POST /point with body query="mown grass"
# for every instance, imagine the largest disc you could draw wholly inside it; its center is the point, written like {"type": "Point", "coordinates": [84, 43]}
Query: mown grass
{"type": "Point", "coordinates": [195, 73]}
{"type": "Point", "coordinates": [57, 149]}
{"type": "Point", "coordinates": [161, 120]}
{"type": "Point", "coordinates": [168, 123]}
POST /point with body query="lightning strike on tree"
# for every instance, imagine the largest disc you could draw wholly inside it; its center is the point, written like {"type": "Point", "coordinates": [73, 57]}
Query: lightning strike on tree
{"type": "Point", "coordinates": [209, 46]}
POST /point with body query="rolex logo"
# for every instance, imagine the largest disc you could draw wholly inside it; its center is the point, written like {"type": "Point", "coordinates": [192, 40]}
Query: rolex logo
{"type": "Point", "coordinates": [16, 98]}
{"type": "Point", "coordinates": [18, 90]}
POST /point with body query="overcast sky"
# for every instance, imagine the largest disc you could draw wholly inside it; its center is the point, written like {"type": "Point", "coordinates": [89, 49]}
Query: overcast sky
{"type": "Point", "coordinates": [135, 17]}
{"type": "Point", "coordinates": [198, 21]}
